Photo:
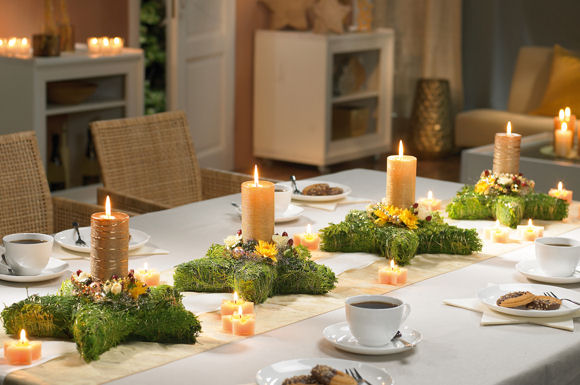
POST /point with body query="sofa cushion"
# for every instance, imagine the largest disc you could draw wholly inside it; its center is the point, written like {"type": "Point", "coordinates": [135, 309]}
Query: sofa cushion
{"type": "Point", "coordinates": [564, 85]}
{"type": "Point", "coordinates": [530, 79]}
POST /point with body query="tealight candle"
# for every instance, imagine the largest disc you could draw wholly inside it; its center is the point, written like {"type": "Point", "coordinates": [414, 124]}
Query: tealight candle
{"type": "Point", "coordinates": [308, 239]}
{"type": "Point", "coordinates": [561, 193]}
{"type": "Point", "coordinates": [496, 233]}
{"type": "Point", "coordinates": [563, 140]}
{"type": "Point", "coordinates": [564, 115]}
{"type": "Point", "coordinates": [506, 152]}
{"type": "Point", "coordinates": [227, 323]}
{"type": "Point", "coordinates": [229, 307]}
{"type": "Point", "coordinates": [257, 209]}
{"type": "Point", "coordinates": [93, 45]}
{"type": "Point", "coordinates": [430, 203]}
{"type": "Point", "coordinates": [22, 352]}
{"type": "Point", "coordinates": [105, 46]}
{"type": "Point", "coordinates": [243, 324]}
{"type": "Point", "coordinates": [116, 45]}
{"type": "Point", "coordinates": [401, 176]}
{"type": "Point", "coordinates": [150, 277]}
{"type": "Point", "coordinates": [530, 232]}
{"type": "Point", "coordinates": [393, 274]}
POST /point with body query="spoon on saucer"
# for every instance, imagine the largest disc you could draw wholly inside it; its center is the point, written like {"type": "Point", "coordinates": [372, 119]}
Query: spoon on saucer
{"type": "Point", "coordinates": [10, 270]}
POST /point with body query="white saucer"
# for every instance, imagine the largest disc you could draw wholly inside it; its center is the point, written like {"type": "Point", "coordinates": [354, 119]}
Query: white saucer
{"type": "Point", "coordinates": [276, 373]}
{"type": "Point", "coordinates": [53, 270]}
{"type": "Point", "coordinates": [68, 237]}
{"type": "Point", "coordinates": [489, 296]}
{"type": "Point", "coordinates": [532, 270]}
{"type": "Point", "coordinates": [339, 335]}
{"type": "Point", "coordinates": [292, 212]}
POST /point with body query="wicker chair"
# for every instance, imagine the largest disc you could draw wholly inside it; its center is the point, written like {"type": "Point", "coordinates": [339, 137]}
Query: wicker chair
{"type": "Point", "coordinates": [149, 164]}
{"type": "Point", "coordinates": [25, 201]}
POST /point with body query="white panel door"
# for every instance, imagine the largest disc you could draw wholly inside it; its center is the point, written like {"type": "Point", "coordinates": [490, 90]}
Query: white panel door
{"type": "Point", "coordinates": [200, 73]}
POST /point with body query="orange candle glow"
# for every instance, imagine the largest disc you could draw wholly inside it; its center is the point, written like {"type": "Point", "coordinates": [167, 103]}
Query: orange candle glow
{"type": "Point", "coordinates": [257, 209]}
{"type": "Point", "coordinates": [308, 239]}
{"type": "Point", "coordinates": [150, 277]}
{"type": "Point", "coordinates": [243, 324]}
{"type": "Point", "coordinates": [393, 274]}
{"type": "Point", "coordinates": [430, 203]}
{"type": "Point", "coordinates": [230, 306]}
{"type": "Point", "coordinates": [22, 352]}
{"type": "Point", "coordinates": [401, 175]}
{"type": "Point", "coordinates": [561, 193]}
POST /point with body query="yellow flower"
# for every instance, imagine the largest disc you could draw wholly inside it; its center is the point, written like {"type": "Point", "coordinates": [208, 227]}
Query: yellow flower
{"type": "Point", "coordinates": [409, 219]}
{"type": "Point", "coordinates": [138, 289]}
{"type": "Point", "coordinates": [481, 187]}
{"type": "Point", "coordinates": [267, 250]}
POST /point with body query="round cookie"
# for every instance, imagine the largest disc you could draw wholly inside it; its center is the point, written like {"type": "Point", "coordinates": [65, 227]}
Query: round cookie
{"type": "Point", "coordinates": [515, 299]}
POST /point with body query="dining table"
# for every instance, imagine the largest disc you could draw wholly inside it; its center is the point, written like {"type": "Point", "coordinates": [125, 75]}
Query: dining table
{"type": "Point", "coordinates": [455, 349]}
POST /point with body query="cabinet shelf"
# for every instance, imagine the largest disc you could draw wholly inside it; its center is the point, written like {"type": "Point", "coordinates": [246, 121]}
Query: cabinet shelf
{"type": "Point", "coordinates": [54, 109]}
{"type": "Point", "coordinates": [355, 96]}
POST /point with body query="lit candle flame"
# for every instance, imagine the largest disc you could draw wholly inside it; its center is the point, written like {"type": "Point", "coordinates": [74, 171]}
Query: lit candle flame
{"type": "Point", "coordinates": [236, 297]}
{"type": "Point", "coordinates": [400, 148]}
{"type": "Point", "coordinates": [560, 186]}
{"type": "Point", "coordinates": [24, 42]}
{"type": "Point", "coordinates": [106, 41]}
{"type": "Point", "coordinates": [430, 195]}
{"type": "Point", "coordinates": [561, 114]}
{"type": "Point", "coordinates": [12, 42]}
{"type": "Point", "coordinates": [95, 41]}
{"type": "Point", "coordinates": [145, 266]}
{"type": "Point", "coordinates": [256, 179]}
{"type": "Point", "coordinates": [309, 229]}
{"type": "Point", "coordinates": [564, 127]}
{"type": "Point", "coordinates": [393, 264]}
{"type": "Point", "coordinates": [108, 207]}
{"type": "Point", "coordinates": [240, 310]}
{"type": "Point", "coordinates": [23, 339]}
{"type": "Point", "coordinates": [567, 113]}
{"type": "Point", "coordinates": [530, 222]}
{"type": "Point", "coordinates": [497, 223]}
{"type": "Point", "coordinates": [509, 128]}
{"type": "Point", "coordinates": [116, 41]}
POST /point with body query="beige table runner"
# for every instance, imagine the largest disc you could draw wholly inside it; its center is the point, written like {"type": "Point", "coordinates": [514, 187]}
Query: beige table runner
{"type": "Point", "coordinates": [276, 312]}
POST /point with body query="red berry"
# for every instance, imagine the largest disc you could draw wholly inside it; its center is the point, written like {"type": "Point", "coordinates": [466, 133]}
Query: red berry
{"type": "Point", "coordinates": [290, 242]}
{"type": "Point", "coordinates": [284, 234]}
{"type": "Point", "coordinates": [486, 173]}
{"type": "Point", "coordinates": [79, 272]}
{"type": "Point", "coordinates": [415, 205]}
{"type": "Point", "coordinates": [428, 218]}
{"type": "Point", "coordinates": [239, 232]}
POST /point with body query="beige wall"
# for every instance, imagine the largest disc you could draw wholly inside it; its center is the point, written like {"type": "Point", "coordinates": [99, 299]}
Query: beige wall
{"type": "Point", "coordinates": [250, 16]}
{"type": "Point", "coordinates": [90, 17]}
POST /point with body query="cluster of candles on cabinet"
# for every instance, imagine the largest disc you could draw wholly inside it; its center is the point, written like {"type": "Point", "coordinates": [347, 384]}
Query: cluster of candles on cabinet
{"type": "Point", "coordinates": [105, 45]}
{"type": "Point", "coordinates": [15, 47]}
{"type": "Point", "coordinates": [238, 316]}
{"type": "Point", "coordinates": [564, 130]}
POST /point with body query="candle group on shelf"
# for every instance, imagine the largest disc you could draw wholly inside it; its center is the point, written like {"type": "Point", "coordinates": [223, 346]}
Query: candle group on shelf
{"type": "Point", "coordinates": [257, 209]}
{"type": "Point", "coordinates": [506, 152]}
{"type": "Point", "coordinates": [393, 274]}
{"type": "Point", "coordinates": [401, 175]}
{"type": "Point", "coordinates": [23, 351]}
{"type": "Point", "coordinates": [239, 323]}
{"type": "Point", "coordinates": [308, 239]}
{"type": "Point", "coordinates": [496, 233]}
{"type": "Point", "coordinates": [229, 307]}
{"type": "Point", "coordinates": [563, 140]}
{"type": "Point", "coordinates": [564, 116]}
{"type": "Point", "coordinates": [430, 203]}
{"type": "Point", "coordinates": [530, 232]}
{"type": "Point", "coordinates": [15, 47]}
{"type": "Point", "coordinates": [109, 243]}
{"type": "Point", "coordinates": [561, 193]}
{"type": "Point", "coordinates": [150, 277]}
{"type": "Point", "coordinates": [105, 45]}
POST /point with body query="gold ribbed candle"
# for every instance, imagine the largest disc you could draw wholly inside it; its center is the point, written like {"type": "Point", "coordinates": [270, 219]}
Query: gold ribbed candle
{"type": "Point", "coordinates": [506, 152]}
{"type": "Point", "coordinates": [401, 175]}
{"type": "Point", "coordinates": [257, 210]}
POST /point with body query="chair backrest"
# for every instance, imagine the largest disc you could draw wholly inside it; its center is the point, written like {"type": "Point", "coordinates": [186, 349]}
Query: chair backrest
{"type": "Point", "coordinates": [25, 202]}
{"type": "Point", "coordinates": [530, 78]}
{"type": "Point", "coordinates": [149, 157]}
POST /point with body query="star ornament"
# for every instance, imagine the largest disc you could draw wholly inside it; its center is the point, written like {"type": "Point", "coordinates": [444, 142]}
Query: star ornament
{"type": "Point", "coordinates": [288, 13]}
{"type": "Point", "coordinates": [329, 16]}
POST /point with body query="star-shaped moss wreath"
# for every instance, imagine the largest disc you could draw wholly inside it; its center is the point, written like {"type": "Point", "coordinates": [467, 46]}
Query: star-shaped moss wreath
{"type": "Point", "coordinates": [329, 16]}
{"type": "Point", "coordinates": [288, 13]}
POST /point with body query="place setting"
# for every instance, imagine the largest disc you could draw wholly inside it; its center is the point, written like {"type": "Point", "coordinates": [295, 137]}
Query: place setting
{"type": "Point", "coordinates": [556, 261]}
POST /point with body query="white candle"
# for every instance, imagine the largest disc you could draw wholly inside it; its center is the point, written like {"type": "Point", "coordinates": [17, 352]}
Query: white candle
{"type": "Point", "coordinates": [561, 193]}
{"type": "Point", "coordinates": [430, 203]}
{"type": "Point", "coordinates": [496, 233]}
{"type": "Point", "coordinates": [530, 232]}
{"type": "Point", "coordinates": [563, 140]}
{"type": "Point", "coordinates": [93, 45]}
{"type": "Point", "coordinates": [401, 175]}
{"type": "Point", "coordinates": [116, 45]}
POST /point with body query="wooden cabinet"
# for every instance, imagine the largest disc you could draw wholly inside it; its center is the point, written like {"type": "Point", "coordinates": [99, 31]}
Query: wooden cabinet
{"type": "Point", "coordinates": [322, 99]}
{"type": "Point", "coordinates": [30, 87]}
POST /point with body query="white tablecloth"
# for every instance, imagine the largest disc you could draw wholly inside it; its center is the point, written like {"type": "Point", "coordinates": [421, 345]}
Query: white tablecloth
{"type": "Point", "coordinates": [455, 348]}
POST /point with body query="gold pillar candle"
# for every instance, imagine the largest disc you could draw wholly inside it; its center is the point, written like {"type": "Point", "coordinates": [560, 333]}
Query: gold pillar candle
{"type": "Point", "coordinates": [109, 243]}
{"type": "Point", "coordinates": [257, 209]}
{"type": "Point", "coordinates": [506, 152]}
{"type": "Point", "coordinates": [401, 175]}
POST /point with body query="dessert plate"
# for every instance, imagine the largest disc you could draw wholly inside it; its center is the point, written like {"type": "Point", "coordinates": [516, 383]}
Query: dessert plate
{"type": "Point", "coordinates": [490, 294]}
{"type": "Point", "coordinates": [531, 269]}
{"type": "Point", "coordinates": [276, 373]}
{"type": "Point", "coordinates": [292, 212]}
{"type": "Point", "coordinates": [318, 198]}
{"type": "Point", "coordinates": [53, 269]}
{"type": "Point", "coordinates": [339, 335]}
{"type": "Point", "coordinates": [68, 237]}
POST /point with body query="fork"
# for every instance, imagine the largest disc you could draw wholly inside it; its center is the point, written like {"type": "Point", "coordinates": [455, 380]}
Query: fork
{"type": "Point", "coordinates": [357, 377]}
{"type": "Point", "coordinates": [550, 294]}
{"type": "Point", "coordinates": [79, 240]}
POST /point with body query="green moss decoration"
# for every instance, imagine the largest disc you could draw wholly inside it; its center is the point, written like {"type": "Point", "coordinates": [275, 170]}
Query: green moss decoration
{"type": "Point", "coordinates": [256, 271]}
{"type": "Point", "coordinates": [97, 319]}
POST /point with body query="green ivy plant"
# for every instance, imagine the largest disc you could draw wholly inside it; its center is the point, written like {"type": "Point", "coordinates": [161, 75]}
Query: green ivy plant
{"type": "Point", "coordinates": [152, 40]}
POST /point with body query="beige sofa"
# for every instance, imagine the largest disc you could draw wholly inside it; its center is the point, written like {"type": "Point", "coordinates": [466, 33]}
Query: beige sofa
{"type": "Point", "coordinates": [478, 127]}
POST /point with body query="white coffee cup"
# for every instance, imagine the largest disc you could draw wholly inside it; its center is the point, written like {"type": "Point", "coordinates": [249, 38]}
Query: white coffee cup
{"type": "Point", "coordinates": [375, 326]}
{"type": "Point", "coordinates": [282, 197]}
{"type": "Point", "coordinates": [27, 253]}
{"type": "Point", "coordinates": [558, 256]}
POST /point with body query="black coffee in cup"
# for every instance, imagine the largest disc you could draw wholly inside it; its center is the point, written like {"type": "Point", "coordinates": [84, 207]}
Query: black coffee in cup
{"type": "Point", "coordinates": [28, 241]}
{"type": "Point", "coordinates": [375, 305]}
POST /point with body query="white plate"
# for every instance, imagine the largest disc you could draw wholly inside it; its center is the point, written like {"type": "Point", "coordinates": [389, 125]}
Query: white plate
{"type": "Point", "coordinates": [53, 269]}
{"type": "Point", "coordinates": [292, 212]}
{"type": "Point", "coordinates": [318, 198]}
{"type": "Point", "coordinates": [276, 373]}
{"type": "Point", "coordinates": [532, 270]}
{"type": "Point", "coordinates": [490, 294]}
{"type": "Point", "coordinates": [339, 335]}
{"type": "Point", "coordinates": [68, 237]}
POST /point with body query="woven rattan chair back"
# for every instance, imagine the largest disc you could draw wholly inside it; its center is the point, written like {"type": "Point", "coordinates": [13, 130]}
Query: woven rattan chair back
{"type": "Point", "coordinates": [149, 157]}
{"type": "Point", "coordinates": [25, 203]}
